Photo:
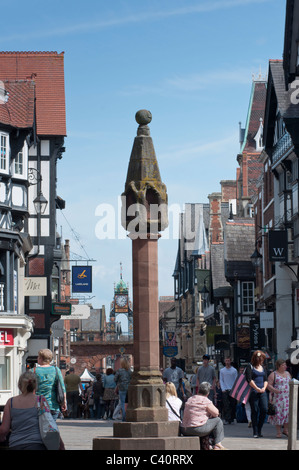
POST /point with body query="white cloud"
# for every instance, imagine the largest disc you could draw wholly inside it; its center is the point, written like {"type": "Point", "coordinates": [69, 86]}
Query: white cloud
{"type": "Point", "coordinates": [195, 150]}
{"type": "Point", "coordinates": [65, 30]}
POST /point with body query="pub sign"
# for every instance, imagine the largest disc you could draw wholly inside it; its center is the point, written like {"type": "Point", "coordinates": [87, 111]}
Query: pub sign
{"type": "Point", "coordinates": [278, 245]}
{"type": "Point", "coordinates": [81, 279]}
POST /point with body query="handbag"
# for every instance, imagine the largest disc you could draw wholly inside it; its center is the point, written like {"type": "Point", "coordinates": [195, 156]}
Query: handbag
{"type": "Point", "coordinates": [47, 425]}
{"type": "Point", "coordinates": [271, 407]}
{"type": "Point", "coordinates": [59, 390]}
{"type": "Point", "coordinates": [241, 389]}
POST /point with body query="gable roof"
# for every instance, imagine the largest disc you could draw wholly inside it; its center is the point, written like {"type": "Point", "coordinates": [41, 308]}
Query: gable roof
{"type": "Point", "coordinates": [18, 110]}
{"type": "Point", "coordinates": [47, 70]}
{"type": "Point", "coordinates": [255, 113]}
{"type": "Point", "coordinates": [239, 239]}
{"type": "Point", "coordinates": [284, 97]}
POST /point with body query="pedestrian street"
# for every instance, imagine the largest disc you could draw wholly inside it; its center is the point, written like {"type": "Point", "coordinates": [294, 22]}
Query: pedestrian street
{"type": "Point", "coordinates": [78, 435]}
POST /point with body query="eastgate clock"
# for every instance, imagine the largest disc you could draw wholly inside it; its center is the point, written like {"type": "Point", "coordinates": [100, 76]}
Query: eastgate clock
{"type": "Point", "coordinates": [121, 300]}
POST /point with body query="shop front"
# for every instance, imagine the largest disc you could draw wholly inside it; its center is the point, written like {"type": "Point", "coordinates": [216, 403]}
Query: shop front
{"type": "Point", "coordinates": [15, 330]}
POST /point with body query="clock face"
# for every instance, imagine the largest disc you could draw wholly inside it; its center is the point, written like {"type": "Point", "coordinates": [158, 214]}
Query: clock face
{"type": "Point", "coordinates": [121, 300]}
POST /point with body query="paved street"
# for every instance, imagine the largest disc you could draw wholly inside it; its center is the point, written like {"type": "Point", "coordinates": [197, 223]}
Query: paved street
{"type": "Point", "coordinates": [78, 435]}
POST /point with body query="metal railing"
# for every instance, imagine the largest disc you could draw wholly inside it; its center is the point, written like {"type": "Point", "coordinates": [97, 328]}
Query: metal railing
{"type": "Point", "coordinates": [281, 148]}
{"type": "Point", "coordinates": [293, 416]}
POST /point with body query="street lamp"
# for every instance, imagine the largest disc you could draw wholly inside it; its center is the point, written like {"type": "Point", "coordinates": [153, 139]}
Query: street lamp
{"type": "Point", "coordinates": [40, 203]}
{"type": "Point", "coordinates": [256, 257]}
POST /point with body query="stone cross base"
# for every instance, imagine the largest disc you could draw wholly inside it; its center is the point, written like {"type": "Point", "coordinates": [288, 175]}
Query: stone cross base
{"type": "Point", "coordinates": [147, 443]}
{"type": "Point", "coordinates": [146, 400]}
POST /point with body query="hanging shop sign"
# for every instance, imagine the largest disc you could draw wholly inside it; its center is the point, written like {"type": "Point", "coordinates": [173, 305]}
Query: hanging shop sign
{"type": "Point", "coordinates": [222, 342]}
{"type": "Point", "coordinates": [266, 319]}
{"type": "Point", "coordinates": [61, 308]}
{"type": "Point", "coordinates": [257, 335]}
{"type": "Point", "coordinates": [35, 286]}
{"type": "Point", "coordinates": [278, 245]}
{"type": "Point", "coordinates": [81, 279]}
{"type": "Point", "coordinates": [170, 351]}
{"type": "Point", "coordinates": [79, 312]}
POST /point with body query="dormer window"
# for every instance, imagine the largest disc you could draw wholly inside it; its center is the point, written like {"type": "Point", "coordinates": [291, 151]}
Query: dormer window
{"type": "Point", "coordinates": [4, 152]}
{"type": "Point", "coordinates": [259, 145]}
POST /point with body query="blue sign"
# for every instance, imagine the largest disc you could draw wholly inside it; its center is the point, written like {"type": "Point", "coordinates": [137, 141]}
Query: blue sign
{"type": "Point", "coordinates": [81, 279]}
{"type": "Point", "coordinates": [170, 351]}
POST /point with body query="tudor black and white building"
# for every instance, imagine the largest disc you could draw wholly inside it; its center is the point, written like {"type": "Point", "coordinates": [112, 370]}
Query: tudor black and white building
{"type": "Point", "coordinates": [32, 131]}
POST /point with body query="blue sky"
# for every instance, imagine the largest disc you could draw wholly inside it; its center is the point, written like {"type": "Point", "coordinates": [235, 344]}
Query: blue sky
{"type": "Point", "coordinates": [190, 62]}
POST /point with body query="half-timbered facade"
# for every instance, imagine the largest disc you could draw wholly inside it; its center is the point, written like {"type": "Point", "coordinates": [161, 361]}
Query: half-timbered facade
{"type": "Point", "coordinates": [32, 132]}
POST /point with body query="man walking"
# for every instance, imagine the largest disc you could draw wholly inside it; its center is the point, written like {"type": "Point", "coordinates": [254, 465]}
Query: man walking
{"type": "Point", "coordinates": [227, 377]}
{"type": "Point", "coordinates": [72, 385]}
{"type": "Point", "coordinates": [206, 373]}
{"type": "Point", "coordinates": [175, 375]}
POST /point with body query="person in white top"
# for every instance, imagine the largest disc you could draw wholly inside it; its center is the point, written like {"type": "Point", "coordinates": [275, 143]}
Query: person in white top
{"type": "Point", "coordinates": [227, 378]}
{"type": "Point", "coordinates": [173, 403]}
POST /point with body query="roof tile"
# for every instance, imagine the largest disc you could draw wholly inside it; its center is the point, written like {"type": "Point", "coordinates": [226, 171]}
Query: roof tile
{"type": "Point", "coordinates": [47, 70]}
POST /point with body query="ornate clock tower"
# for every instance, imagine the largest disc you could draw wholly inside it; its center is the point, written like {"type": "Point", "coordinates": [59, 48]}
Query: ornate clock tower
{"type": "Point", "coordinates": [121, 304]}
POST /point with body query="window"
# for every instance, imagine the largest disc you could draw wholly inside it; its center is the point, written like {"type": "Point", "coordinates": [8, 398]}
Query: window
{"type": "Point", "coordinates": [4, 152]}
{"type": "Point", "coordinates": [20, 163]}
{"type": "Point", "coordinates": [5, 373]}
{"type": "Point", "coordinates": [248, 297]}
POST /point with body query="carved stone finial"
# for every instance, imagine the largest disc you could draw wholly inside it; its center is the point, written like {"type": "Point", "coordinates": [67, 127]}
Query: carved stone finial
{"type": "Point", "coordinates": [143, 117]}
{"type": "Point", "coordinates": [144, 190]}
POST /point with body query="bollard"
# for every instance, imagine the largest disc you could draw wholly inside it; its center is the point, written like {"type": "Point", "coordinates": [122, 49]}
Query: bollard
{"type": "Point", "coordinates": [293, 406]}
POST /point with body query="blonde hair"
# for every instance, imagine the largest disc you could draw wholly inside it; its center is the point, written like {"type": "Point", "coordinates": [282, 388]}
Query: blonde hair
{"type": "Point", "coordinates": [170, 389]}
{"type": "Point", "coordinates": [46, 355]}
{"type": "Point", "coordinates": [27, 382]}
{"type": "Point", "coordinates": [124, 363]}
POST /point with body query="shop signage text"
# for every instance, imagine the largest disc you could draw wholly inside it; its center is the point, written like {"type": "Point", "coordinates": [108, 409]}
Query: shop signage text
{"type": "Point", "coordinates": [35, 286]}
{"type": "Point", "coordinates": [6, 337]}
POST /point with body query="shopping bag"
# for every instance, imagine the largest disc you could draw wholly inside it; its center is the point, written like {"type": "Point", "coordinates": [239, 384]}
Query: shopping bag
{"type": "Point", "coordinates": [47, 425]}
{"type": "Point", "coordinates": [59, 390]}
{"type": "Point", "coordinates": [241, 389]}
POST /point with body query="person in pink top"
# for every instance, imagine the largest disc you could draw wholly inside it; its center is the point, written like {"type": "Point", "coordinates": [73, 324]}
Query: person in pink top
{"type": "Point", "coordinates": [201, 417]}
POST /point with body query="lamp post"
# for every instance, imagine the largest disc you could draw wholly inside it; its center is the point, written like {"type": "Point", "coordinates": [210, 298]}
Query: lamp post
{"type": "Point", "coordinates": [40, 202]}
{"type": "Point", "coordinates": [256, 257]}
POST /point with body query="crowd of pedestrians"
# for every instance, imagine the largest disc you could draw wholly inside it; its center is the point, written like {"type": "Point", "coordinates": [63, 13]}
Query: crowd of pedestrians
{"type": "Point", "coordinates": [203, 405]}
{"type": "Point", "coordinates": [209, 406]}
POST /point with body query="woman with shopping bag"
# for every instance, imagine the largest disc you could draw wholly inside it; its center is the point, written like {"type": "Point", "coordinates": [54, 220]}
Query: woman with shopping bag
{"type": "Point", "coordinates": [21, 417]}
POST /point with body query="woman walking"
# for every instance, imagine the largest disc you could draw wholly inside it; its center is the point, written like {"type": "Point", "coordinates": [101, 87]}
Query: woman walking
{"type": "Point", "coordinates": [21, 417]}
{"type": "Point", "coordinates": [47, 377]}
{"type": "Point", "coordinates": [278, 385]}
{"type": "Point", "coordinates": [122, 379]}
{"type": "Point", "coordinates": [109, 392]}
{"type": "Point", "coordinates": [256, 376]}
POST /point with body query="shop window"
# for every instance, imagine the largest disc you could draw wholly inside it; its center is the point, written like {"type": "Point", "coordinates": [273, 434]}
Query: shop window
{"type": "Point", "coordinates": [4, 373]}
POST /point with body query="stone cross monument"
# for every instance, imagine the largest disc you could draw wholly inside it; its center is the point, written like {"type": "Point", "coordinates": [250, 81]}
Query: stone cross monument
{"type": "Point", "coordinates": [144, 216]}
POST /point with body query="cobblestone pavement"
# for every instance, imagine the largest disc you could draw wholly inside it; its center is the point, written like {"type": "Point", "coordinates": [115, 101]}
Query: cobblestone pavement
{"type": "Point", "coordinates": [79, 434]}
